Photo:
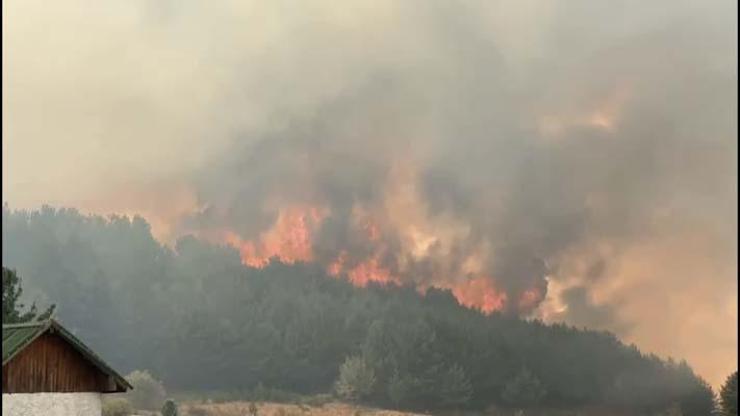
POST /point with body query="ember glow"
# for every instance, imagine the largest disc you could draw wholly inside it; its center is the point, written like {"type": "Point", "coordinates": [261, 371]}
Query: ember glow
{"type": "Point", "coordinates": [370, 270]}
{"type": "Point", "coordinates": [394, 238]}
{"type": "Point", "coordinates": [479, 293]}
{"type": "Point", "coordinates": [288, 241]}
{"type": "Point", "coordinates": [360, 274]}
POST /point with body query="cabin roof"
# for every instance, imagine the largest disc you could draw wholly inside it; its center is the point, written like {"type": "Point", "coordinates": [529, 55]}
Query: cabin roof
{"type": "Point", "coordinates": [16, 337]}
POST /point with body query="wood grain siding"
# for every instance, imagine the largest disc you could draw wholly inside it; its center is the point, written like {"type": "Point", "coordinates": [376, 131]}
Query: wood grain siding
{"type": "Point", "coordinates": [50, 364]}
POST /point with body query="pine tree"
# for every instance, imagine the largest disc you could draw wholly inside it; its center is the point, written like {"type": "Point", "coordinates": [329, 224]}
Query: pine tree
{"type": "Point", "coordinates": [728, 396]}
{"type": "Point", "coordinates": [12, 306]}
{"type": "Point", "coordinates": [169, 408]}
{"type": "Point", "coordinates": [525, 389]}
{"type": "Point", "coordinates": [456, 389]}
{"type": "Point", "coordinates": [356, 379]}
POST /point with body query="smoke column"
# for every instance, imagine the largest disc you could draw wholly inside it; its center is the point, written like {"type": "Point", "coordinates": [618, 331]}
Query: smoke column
{"type": "Point", "coordinates": [573, 161]}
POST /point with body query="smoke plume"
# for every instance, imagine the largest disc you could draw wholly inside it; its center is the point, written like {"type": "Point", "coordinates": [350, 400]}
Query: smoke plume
{"type": "Point", "coordinates": [571, 161]}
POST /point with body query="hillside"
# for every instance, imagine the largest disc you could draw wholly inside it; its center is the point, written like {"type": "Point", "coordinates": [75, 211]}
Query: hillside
{"type": "Point", "coordinates": [200, 320]}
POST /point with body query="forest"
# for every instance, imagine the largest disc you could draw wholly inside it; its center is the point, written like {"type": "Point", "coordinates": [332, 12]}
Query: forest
{"type": "Point", "coordinates": [200, 320]}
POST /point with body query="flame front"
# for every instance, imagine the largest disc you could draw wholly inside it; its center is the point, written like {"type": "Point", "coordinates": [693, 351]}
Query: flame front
{"type": "Point", "coordinates": [289, 240]}
{"type": "Point", "coordinates": [479, 293]}
{"type": "Point", "coordinates": [392, 241]}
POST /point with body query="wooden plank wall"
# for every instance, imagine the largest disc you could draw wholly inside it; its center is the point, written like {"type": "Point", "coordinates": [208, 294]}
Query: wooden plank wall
{"type": "Point", "coordinates": [50, 364]}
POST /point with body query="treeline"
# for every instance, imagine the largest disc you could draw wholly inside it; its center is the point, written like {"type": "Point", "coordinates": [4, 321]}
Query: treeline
{"type": "Point", "coordinates": [201, 321]}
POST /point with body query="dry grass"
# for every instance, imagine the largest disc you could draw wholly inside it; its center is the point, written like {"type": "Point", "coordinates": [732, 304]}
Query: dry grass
{"type": "Point", "coordinates": [241, 408]}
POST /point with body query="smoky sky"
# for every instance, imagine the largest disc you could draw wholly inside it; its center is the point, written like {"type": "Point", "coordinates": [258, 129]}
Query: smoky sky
{"type": "Point", "coordinates": [585, 149]}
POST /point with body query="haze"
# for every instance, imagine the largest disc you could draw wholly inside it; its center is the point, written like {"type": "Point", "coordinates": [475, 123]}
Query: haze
{"type": "Point", "coordinates": [595, 139]}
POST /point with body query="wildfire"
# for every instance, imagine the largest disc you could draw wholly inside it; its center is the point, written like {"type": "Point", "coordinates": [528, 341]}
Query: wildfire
{"type": "Point", "coordinates": [369, 271]}
{"type": "Point", "coordinates": [479, 293]}
{"type": "Point", "coordinates": [399, 240]}
{"type": "Point", "coordinates": [335, 267]}
{"type": "Point", "coordinates": [529, 299]}
{"type": "Point", "coordinates": [603, 115]}
{"type": "Point", "coordinates": [289, 240]}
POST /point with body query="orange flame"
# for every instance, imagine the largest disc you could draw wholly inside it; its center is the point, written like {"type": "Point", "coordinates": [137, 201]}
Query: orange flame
{"type": "Point", "coordinates": [370, 271]}
{"type": "Point", "coordinates": [367, 271]}
{"type": "Point", "coordinates": [335, 267]}
{"type": "Point", "coordinates": [289, 240]}
{"type": "Point", "coordinates": [530, 299]}
{"type": "Point", "coordinates": [479, 293]}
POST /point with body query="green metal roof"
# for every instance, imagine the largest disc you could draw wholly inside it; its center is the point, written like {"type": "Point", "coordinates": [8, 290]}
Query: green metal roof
{"type": "Point", "coordinates": [18, 336]}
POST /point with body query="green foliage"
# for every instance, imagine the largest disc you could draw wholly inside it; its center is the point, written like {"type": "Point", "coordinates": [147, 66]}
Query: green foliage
{"type": "Point", "coordinates": [401, 389]}
{"type": "Point", "coordinates": [524, 390]}
{"type": "Point", "coordinates": [169, 408]}
{"type": "Point", "coordinates": [698, 401]}
{"type": "Point", "coordinates": [356, 379]}
{"type": "Point", "coordinates": [728, 396]}
{"type": "Point", "coordinates": [284, 330]}
{"type": "Point", "coordinates": [673, 410]}
{"type": "Point", "coordinates": [117, 406]}
{"type": "Point", "coordinates": [411, 362]}
{"type": "Point", "coordinates": [147, 393]}
{"type": "Point", "coordinates": [13, 308]}
{"type": "Point", "coordinates": [455, 389]}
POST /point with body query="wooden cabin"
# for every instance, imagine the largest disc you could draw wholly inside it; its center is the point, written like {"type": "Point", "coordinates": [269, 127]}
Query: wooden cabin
{"type": "Point", "coordinates": [48, 371]}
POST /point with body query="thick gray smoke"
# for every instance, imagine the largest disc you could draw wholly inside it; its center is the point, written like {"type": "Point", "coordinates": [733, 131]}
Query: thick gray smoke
{"type": "Point", "coordinates": [569, 160]}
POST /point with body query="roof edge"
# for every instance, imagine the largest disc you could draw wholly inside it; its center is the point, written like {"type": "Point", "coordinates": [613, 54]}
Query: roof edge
{"type": "Point", "coordinates": [27, 324]}
{"type": "Point", "coordinates": [57, 328]}
{"type": "Point", "coordinates": [43, 327]}
{"type": "Point", "coordinates": [90, 354]}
